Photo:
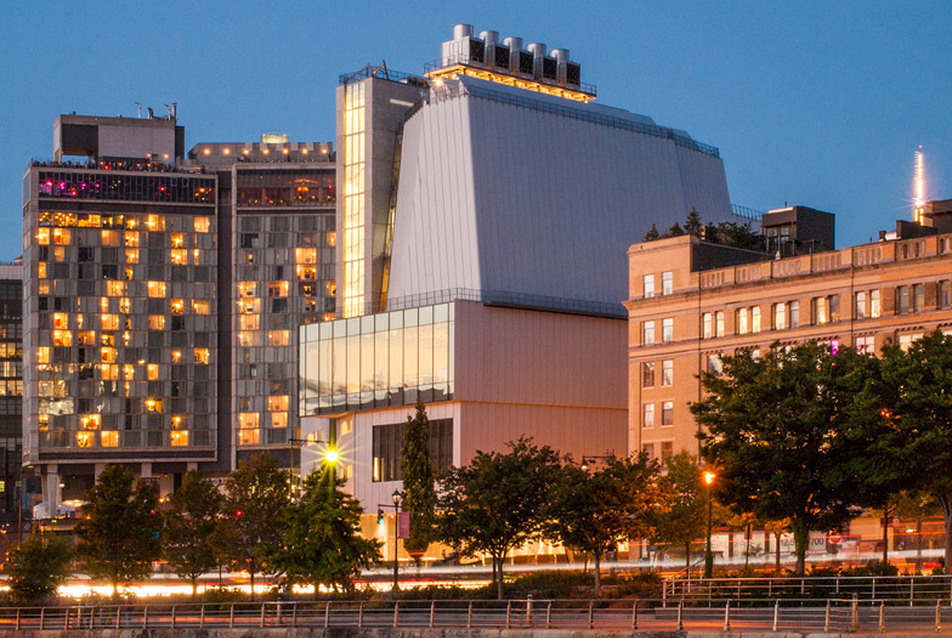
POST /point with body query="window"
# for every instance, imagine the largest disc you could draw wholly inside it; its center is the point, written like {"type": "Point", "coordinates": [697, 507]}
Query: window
{"type": "Point", "coordinates": [388, 443]}
{"type": "Point", "coordinates": [707, 325]}
{"type": "Point", "coordinates": [648, 282]}
{"type": "Point", "coordinates": [918, 298]}
{"type": "Point", "coordinates": [647, 375]}
{"type": "Point", "coordinates": [859, 305]}
{"type": "Point", "coordinates": [719, 321]}
{"type": "Point", "coordinates": [667, 372]}
{"type": "Point", "coordinates": [945, 294]}
{"type": "Point", "coordinates": [647, 333]}
{"type": "Point", "coordinates": [648, 450]}
{"type": "Point", "coordinates": [715, 365]}
{"type": "Point", "coordinates": [667, 330]}
{"type": "Point", "coordinates": [755, 319]}
{"type": "Point", "coordinates": [667, 450]}
{"type": "Point", "coordinates": [821, 310]}
{"type": "Point", "coordinates": [906, 340]}
{"type": "Point", "coordinates": [647, 415]}
{"type": "Point", "coordinates": [875, 307]}
{"type": "Point", "coordinates": [902, 299]}
{"type": "Point", "coordinates": [741, 321]}
{"type": "Point", "coordinates": [794, 308]}
{"type": "Point", "coordinates": [865, 345]}
{"type": "Point", "coordinates": [156, 288]}
{"type": "Point", "coordinates": [667, 413]}
{"type": "Point", "coordinates": [779, 311]}
{"type": "Point", "coordinates": [667, 282]}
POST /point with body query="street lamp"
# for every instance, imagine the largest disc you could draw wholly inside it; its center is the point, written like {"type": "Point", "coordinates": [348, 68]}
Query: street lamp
{"type": "Point", "coordinates": [396, 538]}
{"type": "Point", "coordinates": [708, 555]}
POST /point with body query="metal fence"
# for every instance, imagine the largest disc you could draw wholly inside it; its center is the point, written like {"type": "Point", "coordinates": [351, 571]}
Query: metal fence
{"type": "Point", "coordinates": [832, 615]}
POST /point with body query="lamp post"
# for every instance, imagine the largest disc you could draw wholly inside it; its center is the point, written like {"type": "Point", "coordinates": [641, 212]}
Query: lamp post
{"type": "Point", "coordinates": [396, 539]}
{"type": "Point", "coordinates": [708, 555]}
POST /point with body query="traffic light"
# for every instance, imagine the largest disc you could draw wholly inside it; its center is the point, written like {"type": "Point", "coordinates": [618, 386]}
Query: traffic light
{"type": "Point", "coordinates": [379, 516]}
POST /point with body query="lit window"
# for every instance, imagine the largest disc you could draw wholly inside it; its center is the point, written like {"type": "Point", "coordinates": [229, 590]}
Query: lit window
{"type": "Point", "coordinates": [178, 438]}
{"type": "Point", "coordinates": [875, 306]}
{"type": "Point", "coordinates": [332, 239]}
{"type": "Point", "coordinates": [779, 316]}
{"type": "Point", "coordinates": [109, 372]}
{"type": "Point", "coordinates": [43, 237]}
{"type": "Point", "coordinates": [715, 365]}
{"type": "Point", "coordinates": [278, 289]}
{"type": "Point", "coordinates": [62, 338]}
{"type": "Point", "coordinates": [60, 320]}
{"type": "Point", "coordinates": [62, 237]}
{"type": "Point", "coordinates": [201, 307]}
{"type": "Point", "coordinates": [247, 289]}
{"type": "Point", "coordinates": [85, 439]}
{"type": "Point", "coordinates": [155, 222]}
{"type": "Point", "coordinates": [178, 257]}
{"type": "Point", "coordinates": [278, 337]}
{"type": "Point", "coordinates": [202, 224]}
{"type": "Point", "coordinates": [43, 355]}
{"type": "Point", "coordinates": [107, 355]}
{"type": "Point", "coordinates": [667, 282]}
{"type": "Point", "coordinates": [132, 255]}
{"type": "Point", "coordinates": [153, 405]}
{"type": "Point", "coordinates": [648, 282]}
{"type": "Point", "coordinates": [248, 338]}
{"type": "Point", "coordinates": [667, 372]}
{"type": "Point", "coordinates": [115, 288]}
{"type": "Point", "coordinates": [279, 419]}
{"type": "Point", "coordinates": [156, 289]}
{"type": "Point", "coordinates": [305, 255]}
{"type": "Point", "coordinates": [177, 306]}
{"type": "Point", "coordinates": [755, 319]}
{"type": "Point", "coordinates": [156, 322]}
{"type": "Point", "coordinates": [278, 403]}
{"type": "Point", "coordinates": [202, 356]}
{"type": "Point", "coordinates": [647, 415]}
{"type": "Point", "coordinates": [249, 322]}
{"type": "Point", "coordinates": [741, 321]}
{"type": "Point", "coordinates": [129, 372]}
{"type": "Point", "coordinates": [109, 238]}
{"type": "Point", "coordinates": [104, 304]}
{"type": "Point", "coordinates": [178, 240]}
{"type": "Point", "coordinates": [41, 270]}
{"type": "Point", "coordinates": [176, 356]}
{"type": "Point", "coordinates": [178, 422]}
{"type": "Point", "coordinates": [152, 371]}
{"type": "Point", "coordinates": [707, 325]}
{"type": "Point", "coordinates": [90, 421]}
{"type": "Point", "coordinates": [109, 438]}
{"type": "Point", "coordinates": [821, 310]}
{"type": "Point", "coordinates": [719, 323]}
{"type": "Point", "coordinates": [130, 239]}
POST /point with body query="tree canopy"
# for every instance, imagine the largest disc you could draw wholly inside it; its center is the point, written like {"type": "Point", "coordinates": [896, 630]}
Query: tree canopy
{"type": "Point", "coordinates": [683, 519]}
{"type": "Point", "coordinates": [419, 494]}
{"type": "Point", "coordinates": [119, 536]}
{"type": "Point", "coordinates": [190, 525]}
{"type": "Point", "coordinates": [774, 432]}
{"type": "Point", "coordinates": [496, 502]}
{"type": "Point", "coordinates": [38, 566]}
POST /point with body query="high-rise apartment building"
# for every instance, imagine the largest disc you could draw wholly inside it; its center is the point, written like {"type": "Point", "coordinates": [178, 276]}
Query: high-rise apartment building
{"type": "Point", "coordinates": [162, 297]}
{"type": "Point", "coordinates": [485, 207]}
{"type": "Point", "coordinates": [14, 490]}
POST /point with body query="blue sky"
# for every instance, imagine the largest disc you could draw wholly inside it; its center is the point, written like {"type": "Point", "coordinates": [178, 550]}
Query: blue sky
{"type": "Point", "coordinates": [814, 103]}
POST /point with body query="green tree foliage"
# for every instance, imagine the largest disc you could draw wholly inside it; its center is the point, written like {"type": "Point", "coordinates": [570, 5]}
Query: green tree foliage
{"type": "Point", "coordinates": [693, 225]}
{"type": "Point", "coordinates": [684, 517]}
{"type": "Point", "coordinates": [920, 420]}
{"type": "Point", "coordinates": [736, 235]}
{"type": "Point", "coordinates": [119, 537]}
{"type": "Point", "coordinates": [190, 524]}
{"type": "Point", "coordinates": [496, 502]}
{"type": "Point", "coordinates": [652, 234]}
{"type": "Point", "coordinates": [419, 494]}
{"type": "Point", "coordinates": [775, 432]}
{"type": "Point", "coordinates": [322, 541]}
{"type": "Point", "coordinates": [592, 510]}
{"type": "Point", "coordinates": [675, 231]}
{"type": "Point", "coordinates": [38, 566]}
{"type": "Point", "coordinates": [256, 506]}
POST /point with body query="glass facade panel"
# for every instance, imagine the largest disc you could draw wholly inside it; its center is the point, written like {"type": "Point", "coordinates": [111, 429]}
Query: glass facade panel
{"type": "Point", "coordinates": [378, 361]}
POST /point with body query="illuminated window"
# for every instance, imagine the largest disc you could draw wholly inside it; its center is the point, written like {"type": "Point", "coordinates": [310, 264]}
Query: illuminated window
{"type": "Point", "coordinates": [109, 238]}
{"type": "Point", "coordinates": [875, 308]}
{"type": "Point", "coordinates": [104, 304]}
{"type": "Point", "coordinates": [177, 306]}
{"type": "Point", "coordinates": [719, 323]}
{"type": "Point", "coordinates": [202, 355]}
{"type": "Point", "coordinates": [279, 419]}
{"type": "Point", "coordinates": [178, 240]}
{"type": "Point", "coordinates": [43, 355]}
{"type": "Point", "coordinates": [741, 321]}
{"type": "Point", "coordinates": [247, 339]}
{"type": "Point", "coordinates": [152, 371]}
{"type": "Point", "coordinates": [249, 437]}
{"type": "Point", "coordinates": [178, 438]}
{"type": "Point", "coordinates": [201, 306]}
{"type": "Point", "coordinates": [779, 316]}
{"type": "Point", "coordinates": [131, 222]}
{"type": "Point", "coordinates": [130, 273]}
{"type": "Point", "coordinates": [278, 403]}
{"type": "Point", "coordinates": [130, 239]}
{"type": "Point", "coordinates": [278, 289]}
{"type": "Point", "coordinates": [115, 288]}
{"type": "Point", "coordinates": [247, 306]}
{"type": "Point", "coordinates": [41, 269]}
{"type": "Point", "coordinates": [60, 320]}
{"type": "Point", "coordinates": [153, 405]}
{"type": "Point", "coordinates": [109, 438]}
{"type": "Point", "coordinates": [330, 288]}
{"type": "Point", "coordinates": [306, 272]}
{"type": "Point", "coordinates": [249, 322]}
{"type": "Point", "coordinates": [247, 289]}
{"type": "Point", "coordinates": [715, 364]}
{"type": "Point", "coordinates": [196, 256]}
{"type": "Point", "coordinates": [332, 239]}
{"type": "Point", "coordinates": [278, 338]}
{"type": "Point", "coordinates": [90, 421]}
{"type": "Point", "coordinates": [178, 257]}
{"type": "Point", "coordinates": [755, 319]}
{"type": "Point", "coordinates": [109, 372]}
{"type": "Point", "coordinates": [156, 322]}
{"type": "Point", "coordinates": [156, 288]}
{"type": "Point", "coordinates": [202, 224]}
{"type": "Point", "coordinates": [62, 338]}
{"type": "Point", "coordinates": [43, 237]}
{"type": "Point", "coordinates": [108, 355]}
{"type": "Point", "coordinates": [129, 372]}
{"type": "Point", "coordinates": [305, 255]}
{"type": "Point", "coordinates": [109, 322]}
{"type": "Point", "coordinates": [155, 222]}
{"type": "Point", "coordinates": [62, 237]}
{"type": "Point", "coordinates": [178, 422]}
{"type": "Point", "coordinates": [85, 439]}
{"type": "Point", "coordinates": [176, 356]}
{"type": "Point", "coordinates": [59, 253]}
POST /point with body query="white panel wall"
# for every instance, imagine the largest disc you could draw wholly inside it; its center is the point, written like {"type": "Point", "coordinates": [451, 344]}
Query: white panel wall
{"type": "Point", "coordinates": [496, 196]}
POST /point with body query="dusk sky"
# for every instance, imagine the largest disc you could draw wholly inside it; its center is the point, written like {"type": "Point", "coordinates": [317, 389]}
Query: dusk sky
{"type": "Point", "coordinates": [815, 103]}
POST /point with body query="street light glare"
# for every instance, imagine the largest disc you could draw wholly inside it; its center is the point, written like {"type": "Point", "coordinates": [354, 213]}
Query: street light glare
{"type": "Point", "coordinates": [709, 477]}
{"type": "Point", "coordinates": [331, 456]}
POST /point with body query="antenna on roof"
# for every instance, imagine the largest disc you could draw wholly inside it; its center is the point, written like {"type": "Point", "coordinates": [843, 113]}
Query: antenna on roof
{"type": "Point", "coordinates": [919, 186]}
{"type": "Point", "coordinates": [139, 110]}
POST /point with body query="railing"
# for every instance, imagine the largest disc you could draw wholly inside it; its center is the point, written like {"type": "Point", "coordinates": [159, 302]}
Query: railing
{"type": "Point", "coordinates": [907, 590]}
{"type": "Point", "coordinates": [830, 615]}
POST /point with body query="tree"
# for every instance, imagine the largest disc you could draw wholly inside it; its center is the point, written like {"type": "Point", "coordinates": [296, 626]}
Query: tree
{"type": "Point", "coordinates": [496, 502]}
{"type": "Point", "coordinates": [675, 231]}
{"type": "Point", "coordinates": [693, 225]}
{"type": "Point", "coordinates": [921, 419]}
{"type": "Point", "coordinates": [591, 511]}
{"type": "Point", "coordinates": [256, 504]}
{"type": "Point", "coordinates": [38, 567]}
{"type": "Point", "coordinates": [419, 494]}
{"type": "Point", "coordinates": [119, 536]}
{"type": "Point", "coordinates": [190, 526]}
{"type": "Point", "coordinates": [322, 541]}
{"type": "Point", "coordinates": [738, 236]}
{"type": "Point", "coordinates": [652, 234]}
{"type": "Point", "coordinates": [778, 529]}
{"type": "Point", "coordinates": [684, 517]}
{"type": "Point", "coordinates": [775, 431]}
